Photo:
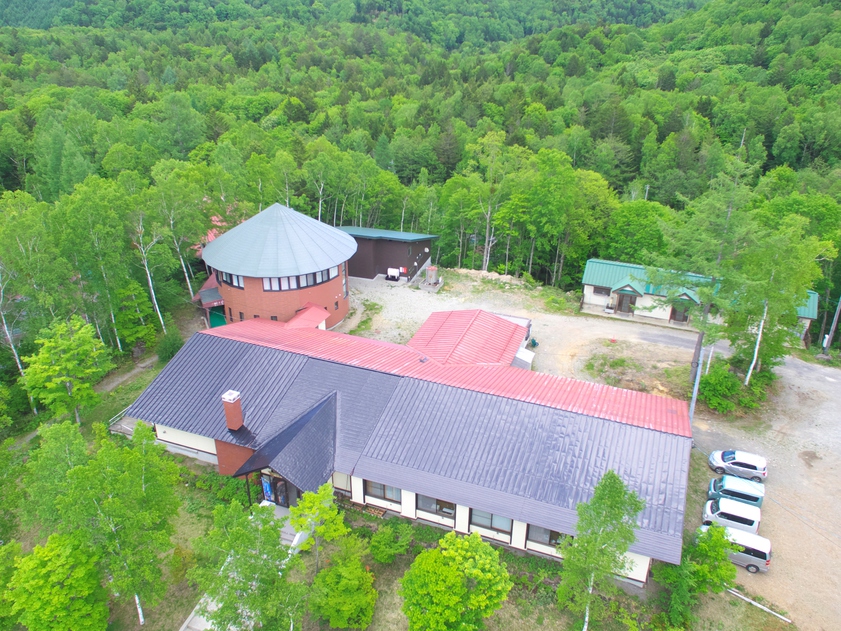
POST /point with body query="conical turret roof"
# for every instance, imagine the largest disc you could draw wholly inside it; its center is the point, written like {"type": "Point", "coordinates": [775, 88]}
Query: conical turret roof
{"type": "Point", "coordinates": [279, 242]}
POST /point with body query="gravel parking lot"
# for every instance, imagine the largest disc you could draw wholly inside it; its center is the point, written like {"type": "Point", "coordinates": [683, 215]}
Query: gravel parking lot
{"type": "Point", "coordinates": [798, 429]}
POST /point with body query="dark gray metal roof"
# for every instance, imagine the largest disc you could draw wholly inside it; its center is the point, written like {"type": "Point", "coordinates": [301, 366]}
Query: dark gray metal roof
{"type": "Point", "coordinates": [279, 241]}
{"type": "Point", "coordinates": [525, 461]}
{"type": "Point", "coordinates": [521, 460]}
{"type": "Point", "coordinates": [390, 235]}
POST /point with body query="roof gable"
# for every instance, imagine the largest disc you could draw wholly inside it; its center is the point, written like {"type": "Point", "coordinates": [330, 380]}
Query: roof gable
{"type": "Point", "coordinates": [469, 337]}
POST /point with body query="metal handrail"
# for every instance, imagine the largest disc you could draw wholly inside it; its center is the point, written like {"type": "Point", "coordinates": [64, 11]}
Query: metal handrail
{"type": "Point", "coordinates": [117, 417]}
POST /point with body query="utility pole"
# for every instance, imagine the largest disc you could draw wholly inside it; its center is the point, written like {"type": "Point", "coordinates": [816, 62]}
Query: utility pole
{"type": "Point", "coordinates": [827, 341]}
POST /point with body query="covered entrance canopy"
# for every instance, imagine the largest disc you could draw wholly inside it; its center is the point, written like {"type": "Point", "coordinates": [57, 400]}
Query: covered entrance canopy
{"type": "Point", "coordinates": [303, 452]}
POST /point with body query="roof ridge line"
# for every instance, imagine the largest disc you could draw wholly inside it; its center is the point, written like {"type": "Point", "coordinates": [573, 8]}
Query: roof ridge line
{"type": "Point", "coordinates": [476, 313]}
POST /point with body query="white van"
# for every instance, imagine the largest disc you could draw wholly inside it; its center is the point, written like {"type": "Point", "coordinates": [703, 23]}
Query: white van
{"type": "Point", "coordinates": [732, 514]}
{"type": "Point", "coordinates": [755, 555]}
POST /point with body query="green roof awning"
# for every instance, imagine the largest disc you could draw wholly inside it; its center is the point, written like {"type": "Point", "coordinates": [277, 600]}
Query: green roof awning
{"type": "Point", "coordinates": [629, 285]}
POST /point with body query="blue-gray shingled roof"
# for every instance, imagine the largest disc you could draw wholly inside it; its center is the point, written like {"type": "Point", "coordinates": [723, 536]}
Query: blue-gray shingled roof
{"type": "Point", "coordinates": [278, 242]}
{"type": "Point", "coordinates": [516, 459]}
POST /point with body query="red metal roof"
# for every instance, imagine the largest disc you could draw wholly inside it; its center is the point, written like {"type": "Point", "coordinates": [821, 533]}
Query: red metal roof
{"type": "Point", "coordinates": [469, 337]}
{"type": "Point", "coordinates": [310, 317]}
{"type": "Point", "coordinates": [624, 406]}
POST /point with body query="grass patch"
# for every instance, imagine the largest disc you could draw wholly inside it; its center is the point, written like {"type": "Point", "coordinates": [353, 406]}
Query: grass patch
{"type": "Point", "coordinates": [557, 301]}
{"type": "Point", "coordinates": [369, 310]}
{"type": "Point", "coordinates": [810, 355]}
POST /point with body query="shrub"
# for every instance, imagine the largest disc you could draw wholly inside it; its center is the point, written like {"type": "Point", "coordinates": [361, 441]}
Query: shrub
{"type": "Point", "coordinates": [170, 343]}
{"type": "Point", "coordinates": [390, 540]}
{"type": "Point", "coordinates": [719, 388]}
{"type": "Point", "coordinates": [223, 488]}
{"type": "Point", "coordinates": [343, 594]}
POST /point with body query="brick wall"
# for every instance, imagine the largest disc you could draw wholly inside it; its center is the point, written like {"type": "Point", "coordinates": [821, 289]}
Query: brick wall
{"type": "Point", "coordinates": [231, 457]}
{"type": "Point", "coordinates": [251, 300]}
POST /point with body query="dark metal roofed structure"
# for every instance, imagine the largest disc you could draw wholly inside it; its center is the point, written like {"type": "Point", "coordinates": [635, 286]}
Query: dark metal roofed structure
{"type": "Point", "coordinates": [303, 452]}
{"type": "Point", "coordinates": [279, 242]}
{"type": "Point", "coordinates": [526, 462]}
{"type": "Point", "coordinates": [277, 388]}
{"type": "Point", "coordinates": [391, 235]}
{"type": "Point", "coordinates": [517, 458]}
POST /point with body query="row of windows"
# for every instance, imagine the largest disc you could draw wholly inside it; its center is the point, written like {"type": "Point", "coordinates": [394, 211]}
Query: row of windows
{"type": "Point", "coordinates": [234, 280]}
{"type": "Point", "coordinates": [286, 283]}
{"type": "Point", "coordinates": [479, 518]}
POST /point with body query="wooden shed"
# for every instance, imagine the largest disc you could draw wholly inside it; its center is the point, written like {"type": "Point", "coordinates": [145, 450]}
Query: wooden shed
{"type": "Point", "coordinates": [380, 250]}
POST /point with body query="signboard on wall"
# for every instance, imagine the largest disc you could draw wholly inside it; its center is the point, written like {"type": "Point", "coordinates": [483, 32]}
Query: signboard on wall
{"type": "Point", "coordinates": [268, 492]}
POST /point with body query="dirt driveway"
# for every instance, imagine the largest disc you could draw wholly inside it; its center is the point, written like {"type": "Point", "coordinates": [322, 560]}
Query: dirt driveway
{"type": "Point", "coordinates": [799, 430]}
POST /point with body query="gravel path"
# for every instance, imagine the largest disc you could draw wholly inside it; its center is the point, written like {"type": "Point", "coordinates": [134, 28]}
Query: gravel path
{"type": "Point", "coordinates": [798, 432]}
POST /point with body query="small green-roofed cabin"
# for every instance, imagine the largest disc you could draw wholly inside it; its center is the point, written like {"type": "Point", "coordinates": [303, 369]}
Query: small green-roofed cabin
{"type": "Point", "coordinates": [624, 289]}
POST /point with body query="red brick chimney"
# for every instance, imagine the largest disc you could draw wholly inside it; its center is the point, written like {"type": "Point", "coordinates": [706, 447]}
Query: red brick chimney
{"type": "Point", "coordinates": [232, 402]}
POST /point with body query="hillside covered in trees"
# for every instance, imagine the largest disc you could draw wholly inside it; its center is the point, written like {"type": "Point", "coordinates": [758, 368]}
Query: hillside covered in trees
{"type": "Point", "coordinates": [529, 139]}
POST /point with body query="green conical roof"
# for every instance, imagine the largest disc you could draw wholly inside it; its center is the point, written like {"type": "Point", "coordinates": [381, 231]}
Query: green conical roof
{"type": "Point", "coordinates": [279, 242]}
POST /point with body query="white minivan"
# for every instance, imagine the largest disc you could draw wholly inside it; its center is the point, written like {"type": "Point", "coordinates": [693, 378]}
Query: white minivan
{"type": "Point", "coordinates": [755, 555]}
{"type": "Point", "coordinates": [732, 514]}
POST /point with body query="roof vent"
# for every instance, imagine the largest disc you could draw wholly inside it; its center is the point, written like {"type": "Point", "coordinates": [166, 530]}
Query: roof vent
{"type": "Point", "coordinates": [232, 402]}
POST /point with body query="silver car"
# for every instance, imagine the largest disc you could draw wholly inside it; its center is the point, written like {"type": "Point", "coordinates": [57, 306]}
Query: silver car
{"type": "Point", "coordinates": [739, 463]}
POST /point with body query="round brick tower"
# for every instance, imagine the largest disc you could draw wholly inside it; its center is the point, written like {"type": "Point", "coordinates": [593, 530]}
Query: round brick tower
{"type": "Point", "coordinates": [275, 263]}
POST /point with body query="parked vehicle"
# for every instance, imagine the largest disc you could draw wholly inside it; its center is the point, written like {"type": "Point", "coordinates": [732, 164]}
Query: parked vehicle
{"type": "Point", "coordinates": [732, 514]}
{"type": "Point", "coordinates": [755, 555]}
{"type": "Point", "coordinates": [733, 488]}
{"type": "Point", "coordinates": [739, 463]}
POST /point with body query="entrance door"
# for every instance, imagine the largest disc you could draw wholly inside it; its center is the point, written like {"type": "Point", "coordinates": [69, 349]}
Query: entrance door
{"type": "Point", "coordinates": [626, 303]}
{"type": "Point", "coordinates": [679, 315]}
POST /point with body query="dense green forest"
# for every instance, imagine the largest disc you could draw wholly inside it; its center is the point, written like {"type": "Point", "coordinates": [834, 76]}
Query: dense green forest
{"type": "Point", "coordinates": [446, 22]}
{"type": "Point", "coordinates": [527, 148]}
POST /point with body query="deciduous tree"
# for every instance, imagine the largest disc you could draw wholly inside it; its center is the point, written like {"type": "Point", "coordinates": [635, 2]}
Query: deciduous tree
{"type": "Point", "coordinates": [604, 531]}
{"type": "Point", "coordinates": [244, 570]}
{"type": "Point", "coordinates": [59, 588]}
{"type": "Point", "coordinates": [455, 586]}
{"type": "Point", "coordinates": [705, 567]}
{"type": "Point", "coordinates": [317, 514]}
{"type": "Point", "coordinates": [69, 361]}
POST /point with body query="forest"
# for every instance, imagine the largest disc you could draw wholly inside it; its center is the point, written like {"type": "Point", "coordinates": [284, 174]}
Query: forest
{"type": "Point", "coordinates": [527, 146]}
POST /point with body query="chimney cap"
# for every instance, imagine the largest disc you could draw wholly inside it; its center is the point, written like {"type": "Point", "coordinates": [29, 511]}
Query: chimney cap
{"type": "Point", "coordinates": [231, 396]}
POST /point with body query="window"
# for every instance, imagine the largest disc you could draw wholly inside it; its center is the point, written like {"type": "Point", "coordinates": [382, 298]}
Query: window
{"type": "Point", "coordinates": [274, 318]}
{"type": "Point", "coordinates": [241, 316]}
{"type": "Point", "coordinates": [319, 278]}
{"type": "Point", "coordinates": [728, 456]}
{"type": "Point", "coordinates": [601, 291]}
{"type": "Point", "coordinates": [271, 284]}
{"type": "Point", "coordinates": [256, 316]}
{"type": "Point", "coordinates": [337, 305]}
{"type": "Point", "coordinates": [744, 465]}
{"type": "Point", "coordinates": [382, 491]}
{"type": "Point", "coordinates": [344, 279]}
{"type": "Point", "coordinates": [334, 271]}
{"type": "Point", "coordinates": [488, 520]}
{"type": "Point", "coordinates": [230, 314]}
{"type": "Point", "coordinates": [438, 507]}
{"type": "Point", "coordinates": [234, 280]}
{"type": "Point", "coordinates": [544, 535]}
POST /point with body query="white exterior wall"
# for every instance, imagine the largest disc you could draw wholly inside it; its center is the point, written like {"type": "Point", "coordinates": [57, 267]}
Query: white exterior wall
{"type": "Point", "coordinates": [357, 490]}
{"type": "Point", "coordinates": [592, 299]}
{"type": "Point", "coordinates": [185, 439]}
{"type": "Point", "coordinates": [462, 518]}
{"type": "Point", "coordinates": [341, 481]}
{"type": "Point", "coordinates": [502, 537]}
{"type": "Point", "coordinates": [449, 522]}
{"type": "Point", "coordinates": [395, 507]}
{"type": "Point", "coordinates": [408, 504]}
{"type": "Point", "coordinates": [659, 312]}
{"type": "Point", "coordinates": [518, 535]}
